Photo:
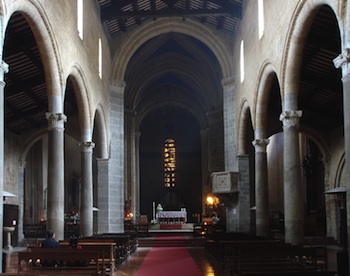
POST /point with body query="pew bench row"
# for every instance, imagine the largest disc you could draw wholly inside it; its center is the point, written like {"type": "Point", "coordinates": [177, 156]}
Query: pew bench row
{"type": "Point", "coordinates": [99, 255]}
{"type": "Point", "coordinates": [53, 261]}
{"type": "Point", "coordinates": [125, 245]}
{"type": "Point", "coordinates": [247, 257]}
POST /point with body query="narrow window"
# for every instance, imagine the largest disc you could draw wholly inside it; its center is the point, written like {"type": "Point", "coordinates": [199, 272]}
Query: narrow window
{"type": "Point", "coordinates": [169, 157]}
{"type": "Point", "coordinates": [261, 18]}
{"type": "Point", "coordinates": [80, 18]}
{"type": "Point", "coordinates": [242, 61]}
{"type": "Point", "coordinates": [100, 58]}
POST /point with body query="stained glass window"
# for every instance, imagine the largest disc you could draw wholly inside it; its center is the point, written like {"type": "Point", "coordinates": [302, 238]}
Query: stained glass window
{"type": "Point", "coordinates": [169, 156]}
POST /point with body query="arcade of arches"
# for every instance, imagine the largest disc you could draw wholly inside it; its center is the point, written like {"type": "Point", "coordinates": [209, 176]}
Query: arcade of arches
{"type": "Point", "coordinates": [261, 122]}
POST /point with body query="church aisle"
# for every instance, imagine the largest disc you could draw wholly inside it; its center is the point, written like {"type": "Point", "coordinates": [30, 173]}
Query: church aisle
{"type": "Point", "coordinates": [170, 261]}
{"type": "Point", "coordinates": [207, 265]}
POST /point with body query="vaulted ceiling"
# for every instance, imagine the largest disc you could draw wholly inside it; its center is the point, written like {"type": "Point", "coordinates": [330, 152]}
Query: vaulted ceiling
{"type": "Point", "coordinates": [175, 69]}
{"type": "Point", "coordinates": [172, 69]}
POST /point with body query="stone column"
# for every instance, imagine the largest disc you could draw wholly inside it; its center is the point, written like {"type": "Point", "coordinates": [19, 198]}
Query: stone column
{"type": "Point", "coordinates": [86, 203]}
{"type": "Point", "coordinates": [205, 167]}
{"type": "Point", "coordinates": [233, 189]}
{"type": "Point", "coordinates": [55, 189]}
{"type": "Point", "coordinates": [135, 188]}
{"type": "Point", "coordinates": [102, 171]}
{"type": "Point", "coordinates": [293, 190]}
{"type": "Point", "coordinates": [21, 168]}
{"type": "Point", "coordinates": [343, 62]}
{"type": "Point", "coordinates": [111, 196]}
{"type": "Point", "coordinates": [261, 188]}
{"type": "Point", "coordinates": [131, 165]}
{"type": "Point", "coordinates": [244, 224]}
{"type": "Point", "coordinates": [128, 117]}
{"type": "Point", "coordinates": [3, 70]}
{"type": "Point", "coordinates": [230, 136]}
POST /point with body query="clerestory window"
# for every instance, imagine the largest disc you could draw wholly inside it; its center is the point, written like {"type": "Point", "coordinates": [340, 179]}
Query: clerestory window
{"type": "Point", "coordinates": [261, 18]}
{"type": "Point", "coordinates": [100, 58]}
{"type": "Point", "coordinates": [80, 18]}
{"type": "Point", "coordinates": [242, 60]}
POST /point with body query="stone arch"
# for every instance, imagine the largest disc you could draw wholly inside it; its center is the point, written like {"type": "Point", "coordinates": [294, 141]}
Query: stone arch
{"type": "Point", "coordinates": [164, 25]}
{"type": "Point", "coordinates": [83, 102]}
{"type": "Point", "coordinates": [298, 31]}
{"type": "Point", "coordinates": [301, 22]}
{"type": "Point", "coordinates": [27, 144]}
{"type": "Point", "coordinates": [100, 125]}
{"type": "Point", "coordinates": [164, 67]}
{"type": "Point", "coordinates": [339, 172]}
{"type": "Point", "coordinates": [293, 57]}
{"type": "Point", "coordinates": [265, 78]}
{"type": "Point", "coordinates": [3, 11]}
{"type": "Point", "coordinates": [202, 120]}
{"type": "Point", "coordinates": [243, 119]}
{"type": "Point", "coordinates": [184, 74]}
{"type": "Point", "coordinates": [40, 25]}
{"type": "Point", "coordinates": [319, 141]}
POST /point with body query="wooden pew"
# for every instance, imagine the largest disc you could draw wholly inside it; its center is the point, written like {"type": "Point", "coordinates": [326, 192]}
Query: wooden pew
{"type": "Point", "coordinates": [138, 229]}
{"type": "Point", "coordinates": [125, 245]}
{"type": "Point", "coordinates": [104, 248]}
{"type": "Point", "coordinates": [236, 255]}
{"type": "Point", "coordinates": [122, 247]}
{"type": "Point", "coordinates": [52, 261]}
{"type": "Point", "coordinates": [261, 257]}
{"type": "Point", "coordinates": [227, 251]}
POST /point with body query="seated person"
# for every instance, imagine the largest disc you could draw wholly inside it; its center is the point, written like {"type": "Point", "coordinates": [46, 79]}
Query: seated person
{"type": "Point", "coordinates": [50, 241]}
{"type": "Point", "coordinates": [73, 243]}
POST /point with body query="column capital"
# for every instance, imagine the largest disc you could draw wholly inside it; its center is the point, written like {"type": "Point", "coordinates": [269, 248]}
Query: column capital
{"type": "Point", "coordinates": [86, 146]}
{"type": "Point", "coordinates": [117, 88]}
{"type": "Point", "coordinates": [290, 118]}
{"type": "Point", "coordinates": [343, 59]}
{"type": "Point", "coordinates": [22, 164]}
{"type": "Point", "coordinates": [228, 82]}
{"type": "Point", "coordinates": [102, 160]}
{"type": "Point", "coordinates": [56, 120]}
{"type": "Point", "coordinates": [4, 67]}
{"type": "Point", "coordinates": [119, 83]}
{"type": "Point", "coordinates": [260, 144]}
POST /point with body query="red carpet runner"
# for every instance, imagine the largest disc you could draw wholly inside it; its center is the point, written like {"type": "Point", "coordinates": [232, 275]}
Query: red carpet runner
{"type": "Point", "coordinates": [168, 261]}
{"type": "Point", "coordinates": [170, 226]}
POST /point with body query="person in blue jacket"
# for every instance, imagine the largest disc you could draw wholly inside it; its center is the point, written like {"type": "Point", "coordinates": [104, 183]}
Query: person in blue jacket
{"type": "Point", "coordinates": [50, 241]}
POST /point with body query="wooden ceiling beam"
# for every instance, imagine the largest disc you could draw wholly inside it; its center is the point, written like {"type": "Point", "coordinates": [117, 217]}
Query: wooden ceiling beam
{"type": "Point", "coordinates": [172, 13]}
{"type": "Point", "coordinates": [114, 11]}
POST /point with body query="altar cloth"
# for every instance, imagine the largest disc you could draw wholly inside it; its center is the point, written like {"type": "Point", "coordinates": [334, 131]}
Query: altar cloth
{"type": "Point", "coordinates": [170, 216]}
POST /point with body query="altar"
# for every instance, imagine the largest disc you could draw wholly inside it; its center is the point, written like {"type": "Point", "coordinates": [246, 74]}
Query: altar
{"type": "Point", "coordinates": [171, 217]}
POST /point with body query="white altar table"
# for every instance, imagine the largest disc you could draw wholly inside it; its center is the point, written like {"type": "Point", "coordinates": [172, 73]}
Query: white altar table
{"type": "Point", "coordinates": [171, 217]}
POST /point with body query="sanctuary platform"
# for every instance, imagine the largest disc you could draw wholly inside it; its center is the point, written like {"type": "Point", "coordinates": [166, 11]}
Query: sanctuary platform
{"type": "Point", "coordinates": [176, 227]}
